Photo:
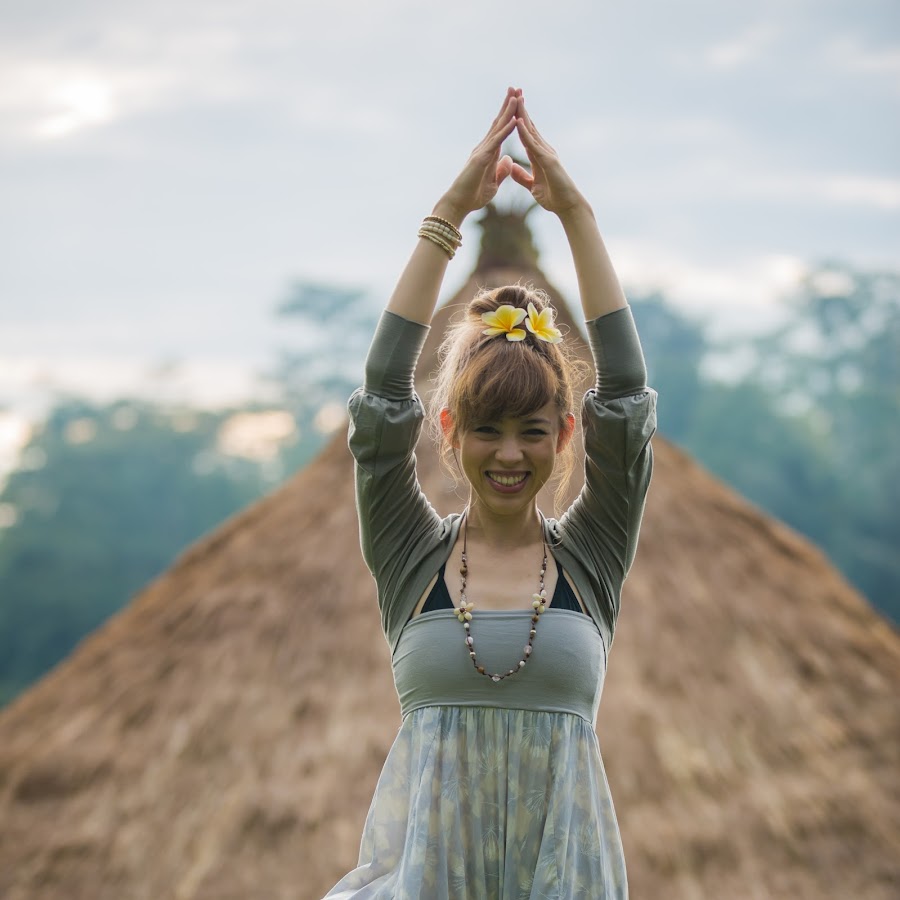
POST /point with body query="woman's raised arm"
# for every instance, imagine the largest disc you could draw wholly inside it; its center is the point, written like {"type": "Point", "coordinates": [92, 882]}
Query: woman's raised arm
{"type": "Point", "coordinates": [552, 187]}
{"type": "Point", "coordinates": [416, 293]}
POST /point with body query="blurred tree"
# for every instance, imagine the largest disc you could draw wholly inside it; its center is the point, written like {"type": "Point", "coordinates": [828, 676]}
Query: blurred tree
{"type": "Point", "coordinates": [676, 347]}
{"type": "Point", "coordinates": [107, 496]}
{"type": "Point", "coordinates": [810, 432]}
{"type": "Point", "coordinates": [838, 359]}
{"type": "Point", "coordinates": [105, 499]}
{"type": "Point", "coordinates": [325, 362]}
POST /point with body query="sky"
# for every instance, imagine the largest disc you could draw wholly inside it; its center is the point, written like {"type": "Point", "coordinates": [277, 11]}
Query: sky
{"type": "Point", "coordinates": [170, 169]}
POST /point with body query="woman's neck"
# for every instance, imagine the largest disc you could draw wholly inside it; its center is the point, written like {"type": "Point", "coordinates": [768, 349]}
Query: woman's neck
{"type": "Point", "coordinates": [504, 531]}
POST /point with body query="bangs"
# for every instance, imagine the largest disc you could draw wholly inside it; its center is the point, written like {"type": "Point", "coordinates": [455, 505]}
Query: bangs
{"type": "Point", "coordinates": [503, 379]}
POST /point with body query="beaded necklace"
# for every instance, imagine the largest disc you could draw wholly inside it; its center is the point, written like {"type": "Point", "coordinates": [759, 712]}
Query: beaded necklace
{"type": "Point", "coordinates": [464, 612]}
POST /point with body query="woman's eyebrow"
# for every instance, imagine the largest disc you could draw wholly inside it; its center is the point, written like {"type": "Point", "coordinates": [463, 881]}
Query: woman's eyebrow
{"type": "Point", "coordinates": [532, 420]}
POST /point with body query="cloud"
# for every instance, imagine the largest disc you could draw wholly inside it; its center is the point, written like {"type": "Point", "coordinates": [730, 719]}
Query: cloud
{"type": "Point", "coordinates": [41, 99]}
{"type": "Point", "coordinates": [139, 66]}
{"type": "Point", "coordinates": [32, 382]}
{"type": "Point", "coordinates": [734, 292]}
{"type": "Point", "coordinates": [745, 179]}
{"type": "Point", "coordinates": [612, 131]}
{"type": "Point", "coordinates": [169, 160]}
{"type": "Point", "coordinates": [15, 432]}
{"type": "Point", "coordinates": [818, 188]}
{"type": "Point", "coordinates": [733, 285]}
{"type": "Point", "coordinates": [746, 48]}
{"type": "Point", "coordinates": [851, 55]}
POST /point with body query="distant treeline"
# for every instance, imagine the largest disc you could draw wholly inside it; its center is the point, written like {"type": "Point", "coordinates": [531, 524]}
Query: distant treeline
{"type": "Point", "coordinates": [807, 424]}
{"type": "Point", "coordinates": [808, 428]}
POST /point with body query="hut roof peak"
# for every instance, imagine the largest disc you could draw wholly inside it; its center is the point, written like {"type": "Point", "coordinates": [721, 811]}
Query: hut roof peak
{"type": "Point", "coordinates": [506, 240]}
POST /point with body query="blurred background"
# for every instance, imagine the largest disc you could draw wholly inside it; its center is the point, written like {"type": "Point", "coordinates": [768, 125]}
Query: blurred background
{"type": "Point", "coordinates": [205, 207]}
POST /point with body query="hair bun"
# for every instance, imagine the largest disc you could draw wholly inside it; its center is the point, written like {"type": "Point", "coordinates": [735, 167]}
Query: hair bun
{"type": "Point", "coordinates": [516, 295]}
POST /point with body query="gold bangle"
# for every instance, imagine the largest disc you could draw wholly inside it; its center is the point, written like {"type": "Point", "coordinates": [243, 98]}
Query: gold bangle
{"type": "Point", "coordinates": [439, 241]}
{"type": "Point", "coordinates": [444, 232]}
{"type": "Point", "coordinates": [449, 225]}
{"type": "Point", "coordinates": [435, 239]}
{"type": "Point", "coordinates": [443, 235]}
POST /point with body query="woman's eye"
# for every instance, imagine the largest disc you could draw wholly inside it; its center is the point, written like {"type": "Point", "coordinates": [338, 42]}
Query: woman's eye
{"type": "Point", "coordinates": [536, 432]}
{"type": "Point", "coordinates": [485, 429]}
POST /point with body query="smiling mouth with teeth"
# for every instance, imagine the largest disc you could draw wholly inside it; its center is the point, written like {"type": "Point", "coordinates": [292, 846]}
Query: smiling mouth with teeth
{"type": "Point", "coordinates": [507, 480]}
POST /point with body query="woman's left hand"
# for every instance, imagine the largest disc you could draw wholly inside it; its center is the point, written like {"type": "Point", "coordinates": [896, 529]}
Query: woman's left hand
{"type": "Point", "coordinates": [480, 179]}
{"type": "Point", "coordinates": [549, 183]}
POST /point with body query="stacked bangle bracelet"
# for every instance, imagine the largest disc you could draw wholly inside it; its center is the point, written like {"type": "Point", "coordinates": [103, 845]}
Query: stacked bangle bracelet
{"type": "Point", "coordinates": [443, 233]}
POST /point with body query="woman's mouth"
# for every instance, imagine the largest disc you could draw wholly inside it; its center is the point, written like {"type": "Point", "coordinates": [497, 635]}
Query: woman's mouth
{"type": "Point", "coordinates": [507, 482]}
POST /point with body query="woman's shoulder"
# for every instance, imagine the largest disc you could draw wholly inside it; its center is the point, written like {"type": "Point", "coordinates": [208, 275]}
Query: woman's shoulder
{"type": "Point", "coordinates": [429, 541]}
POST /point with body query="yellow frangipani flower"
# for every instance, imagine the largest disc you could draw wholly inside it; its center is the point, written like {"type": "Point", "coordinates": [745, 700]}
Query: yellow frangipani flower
{"type": "Point", "coordinates": [540, 324]}
{"type": "Point", "coordinates": [504, 321]}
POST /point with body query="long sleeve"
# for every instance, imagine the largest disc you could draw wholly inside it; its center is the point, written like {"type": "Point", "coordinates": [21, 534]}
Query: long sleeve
{"type": "Point", "coordinates": [602, 525]}
{"type": "Point", "coordinates": [386, 418]}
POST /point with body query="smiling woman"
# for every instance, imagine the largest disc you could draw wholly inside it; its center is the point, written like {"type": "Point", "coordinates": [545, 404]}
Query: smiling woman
{"type": "Point", "coordinates": [507, 397]}
{"type": "Point", "coordinates": [494, 786]}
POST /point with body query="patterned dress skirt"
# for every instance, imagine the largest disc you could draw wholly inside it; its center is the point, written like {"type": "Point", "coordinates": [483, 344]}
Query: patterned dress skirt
{"type": "Point", "coordinates": [483, 801]}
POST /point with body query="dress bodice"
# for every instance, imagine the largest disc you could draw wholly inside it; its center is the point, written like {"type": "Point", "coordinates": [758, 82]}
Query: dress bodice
{"type": "Point", "coordinates": [565, 672]}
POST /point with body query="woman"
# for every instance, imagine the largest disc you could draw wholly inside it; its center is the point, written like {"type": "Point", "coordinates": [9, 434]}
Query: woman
{"type": "Point", "coordinates": [494, 786]}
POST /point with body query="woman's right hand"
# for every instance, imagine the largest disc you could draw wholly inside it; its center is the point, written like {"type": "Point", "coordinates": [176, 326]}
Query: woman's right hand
{"type": "Point", "coordinates": [484, 171]}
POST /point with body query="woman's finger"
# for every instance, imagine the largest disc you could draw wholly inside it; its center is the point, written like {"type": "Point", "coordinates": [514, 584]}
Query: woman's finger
{"type": "Point", "coordinates": [510, 94]}
{"type": "Point", "coordinates": [508, 127]}
{"type": "Point", "coordinates": [499, 131]}
{"type": "Point", "coordinates": [522, 176]}
{"type": "Point", "coordinates": [506, 121]}
{"type": "Point", "coordinates": [522, 112]}
{"type": "Point", "coordinates": [498, 135]}
{"type": "Point", "coordinates": [506, 112]}
{"type": "Point", "coordinates": [529, 141]}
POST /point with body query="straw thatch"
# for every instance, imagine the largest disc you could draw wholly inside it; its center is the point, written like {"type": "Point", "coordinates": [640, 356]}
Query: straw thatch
{"type": "Point", "coordinates": [221, 737]}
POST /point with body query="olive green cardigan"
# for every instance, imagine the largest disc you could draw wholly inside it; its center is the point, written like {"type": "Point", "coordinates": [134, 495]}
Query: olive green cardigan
{"type": "Point", "coordinates": [405, 542]}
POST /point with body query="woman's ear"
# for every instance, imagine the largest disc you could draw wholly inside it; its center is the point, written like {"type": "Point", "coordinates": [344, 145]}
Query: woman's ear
{"type": "Point", "coordinates": [565, 433]}
{"type": "Point", "coordinates": [447, 428]}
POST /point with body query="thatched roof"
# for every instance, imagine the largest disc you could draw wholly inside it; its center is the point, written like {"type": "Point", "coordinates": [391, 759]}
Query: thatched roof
{"type": "Point", "coordinates": [221, 737]}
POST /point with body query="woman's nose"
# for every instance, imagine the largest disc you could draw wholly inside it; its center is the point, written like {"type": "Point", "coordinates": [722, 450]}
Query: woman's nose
{"type": "Point", "coordinates": [510, 450]}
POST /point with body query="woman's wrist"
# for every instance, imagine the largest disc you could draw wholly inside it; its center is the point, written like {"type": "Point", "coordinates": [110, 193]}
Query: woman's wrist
{"type": "Point", "coordinates": [447, 209]}
{"type": "Point", "coordinates": [579, 213]}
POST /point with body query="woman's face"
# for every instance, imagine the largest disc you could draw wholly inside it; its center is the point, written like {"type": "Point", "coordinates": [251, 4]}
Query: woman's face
{"type": "Point", "coordinates": [508, 461]}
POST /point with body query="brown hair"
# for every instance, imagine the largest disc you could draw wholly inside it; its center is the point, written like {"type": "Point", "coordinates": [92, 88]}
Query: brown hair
{"type": "Point", "coordinates": [487, 378]}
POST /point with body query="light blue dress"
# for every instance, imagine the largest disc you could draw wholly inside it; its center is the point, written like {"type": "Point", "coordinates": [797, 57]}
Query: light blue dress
{"type": "Point", "coordinates": [496, 791]}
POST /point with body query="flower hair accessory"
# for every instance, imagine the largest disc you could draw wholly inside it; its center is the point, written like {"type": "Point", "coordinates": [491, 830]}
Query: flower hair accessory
{"type": "Point", "coordinates": [506, 318]}
{"type": "Point", "coordinates": [540, 324]}
{"type": "Point", "coordinates": [504, 321]}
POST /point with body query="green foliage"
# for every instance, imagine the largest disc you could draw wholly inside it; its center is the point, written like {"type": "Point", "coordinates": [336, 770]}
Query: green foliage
{"type": "Point", "coordinates": [675, 347]}
{"type": "Point", "coordinates": [325, 363]}
{"type": "Point", "coordinates": [838, 357]}
{"type": "Point", "coordinates": [811, 432]}
{"type": "Point", "coordinates": [107, 498]}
